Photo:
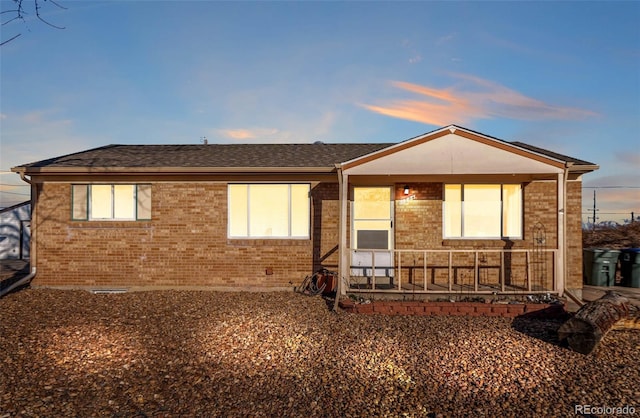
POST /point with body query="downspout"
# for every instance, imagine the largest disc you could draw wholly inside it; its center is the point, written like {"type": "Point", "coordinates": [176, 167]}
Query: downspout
{"type": "Point", "coordinates": [341, 238]}
{"type": "Point", "coordinates": [32, 252]}
{"type": "Point", "coordinates": [564, 227]}
{"type": "Point", "coordinates": [24, 178]}
{"type": "Point", "coordinates": [25, 280]}
{"type": "Point", "coordinates": [562, 230]}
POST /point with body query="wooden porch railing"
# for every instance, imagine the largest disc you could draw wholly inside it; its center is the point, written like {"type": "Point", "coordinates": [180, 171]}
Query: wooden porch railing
{"type": "Point", "coordinates": [503, 271]}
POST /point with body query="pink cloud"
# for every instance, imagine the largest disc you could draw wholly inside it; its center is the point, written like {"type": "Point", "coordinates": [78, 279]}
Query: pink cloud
{"type": "Point", "coordinates": [439, 107]}
{"type": "Point", "coordinates": [472, 98]}
{"type": "Point", "coordinates": [242, 134]}
{"type": "Point", "coordinates": [238, 133]}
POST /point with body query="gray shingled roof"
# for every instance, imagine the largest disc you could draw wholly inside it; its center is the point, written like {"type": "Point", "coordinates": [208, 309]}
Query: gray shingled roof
{"type": "Point", "coordinates": [551, 154]}
{"type": "Point", "coordinates": [225, 156]}
{"type": "Point", "coordinates": [213, 155]}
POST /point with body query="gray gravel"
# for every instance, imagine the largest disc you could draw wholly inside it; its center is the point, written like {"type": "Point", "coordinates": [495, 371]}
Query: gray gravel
{"type": "Point", "coordinates": [183, 353]}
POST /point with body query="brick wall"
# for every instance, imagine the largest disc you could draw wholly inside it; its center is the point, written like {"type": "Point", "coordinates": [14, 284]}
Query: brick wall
{"type": "Point", "coordinates": [540, 212]}
{"type": "Point", "coordinates": [325, 228]}
{"type": "Point", "coordinates": [185, 244]}
{"type": "Point", "coordinates": [574, 235]}
{"type": "Point", "coordinates": [418, 223]}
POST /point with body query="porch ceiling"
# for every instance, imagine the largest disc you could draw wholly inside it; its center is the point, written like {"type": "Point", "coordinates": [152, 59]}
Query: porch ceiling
{"type": "Point", "coordinates": [452, 153]}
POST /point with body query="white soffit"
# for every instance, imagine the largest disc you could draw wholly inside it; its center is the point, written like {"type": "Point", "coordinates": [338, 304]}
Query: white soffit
{"type": "Point", "coordinates": [452, 154]}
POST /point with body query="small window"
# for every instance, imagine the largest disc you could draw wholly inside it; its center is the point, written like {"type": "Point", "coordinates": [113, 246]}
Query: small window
{"type": "Point", "coordinates": [482, 211]}
{"type": "Point", "coordinates": [269, 210]}
{"type": "Point", "coordinates": [98, 202]}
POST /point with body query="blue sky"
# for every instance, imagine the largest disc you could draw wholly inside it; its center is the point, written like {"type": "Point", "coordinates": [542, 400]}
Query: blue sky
{"type": "Point", "coordinates": [559, 75]}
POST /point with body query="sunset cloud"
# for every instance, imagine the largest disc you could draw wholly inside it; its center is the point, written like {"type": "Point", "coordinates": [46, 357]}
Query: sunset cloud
{"type": "Point", "coordinates": [631, 158]}
{"type": "Point", "coordinates": [39, 134]}
{"type": "Point", "coordinates": [613, 201]}
{"type": "Point", "coordinates": [244, 134]}
{"type": "Point", "coordinates": [472, 98]}
{"type": "Point", "coordinates": [33, 136]}
{"type": "Point", "coordinates": [290, 129]}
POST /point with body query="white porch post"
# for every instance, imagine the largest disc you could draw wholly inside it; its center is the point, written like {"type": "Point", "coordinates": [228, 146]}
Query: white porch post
{"type": "Point", "coordinates": [343, 262]}
{"type": "Point", "coordinates": [561, 259]}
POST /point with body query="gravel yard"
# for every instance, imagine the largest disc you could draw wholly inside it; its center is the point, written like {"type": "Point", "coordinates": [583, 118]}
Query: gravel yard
{"type": "Point", "coordinates": [188, 353]}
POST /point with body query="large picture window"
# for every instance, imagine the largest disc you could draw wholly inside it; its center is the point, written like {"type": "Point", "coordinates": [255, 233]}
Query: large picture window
{"type": "Point", "coordinates": [482, 211]}
{"type": "Point", "coordinates": [97, 202]}
{"type": "Point", "coordinates": [269, 210]}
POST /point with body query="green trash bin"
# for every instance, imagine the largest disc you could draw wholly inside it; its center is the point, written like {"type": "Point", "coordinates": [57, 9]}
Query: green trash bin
{"type": "Point", "coordinates": [599, 266]}
{"type": "Point", "coordinates": [630, 267]}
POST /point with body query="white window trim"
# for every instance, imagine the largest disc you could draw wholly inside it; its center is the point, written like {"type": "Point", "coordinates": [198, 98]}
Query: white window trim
{"type": "Point", "coordinates": [501, 237]}
{"type": "Point", "coordinates": [289, 209]}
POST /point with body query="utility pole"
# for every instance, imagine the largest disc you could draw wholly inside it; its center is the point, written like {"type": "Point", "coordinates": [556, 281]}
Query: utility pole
{"type": "Point", "coordinates": [594, 209]}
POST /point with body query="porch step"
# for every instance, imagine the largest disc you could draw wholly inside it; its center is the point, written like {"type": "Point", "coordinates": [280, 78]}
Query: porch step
{"type": "Point", "coordinates": [538, 310]}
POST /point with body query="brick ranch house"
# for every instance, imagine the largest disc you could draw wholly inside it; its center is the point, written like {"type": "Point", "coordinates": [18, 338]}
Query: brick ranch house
{"type": "Point", "coordinates": [448, 211]}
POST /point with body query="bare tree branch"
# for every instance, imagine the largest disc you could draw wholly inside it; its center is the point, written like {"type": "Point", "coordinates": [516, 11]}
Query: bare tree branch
{"type": "Point", "coordinates": [37, 6]}
{"type": "Point", "coordinates": [20, 14]}
{"type": "Point", "coordinates": [57, 4]}
{"type": "Point", "coordinates": [10, 39]}
{"type": "Point", "coordinates": [11, 20]}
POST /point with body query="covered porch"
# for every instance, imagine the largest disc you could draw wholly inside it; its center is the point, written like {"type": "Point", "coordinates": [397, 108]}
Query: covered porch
{"type": "Point", "coordinates": [408, 224]}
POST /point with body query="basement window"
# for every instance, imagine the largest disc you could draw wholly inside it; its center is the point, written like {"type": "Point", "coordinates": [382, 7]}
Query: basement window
{"type": "Point", "coordinates": [100, 202]}
{"type": "Point", "coordinates": [269, 211]}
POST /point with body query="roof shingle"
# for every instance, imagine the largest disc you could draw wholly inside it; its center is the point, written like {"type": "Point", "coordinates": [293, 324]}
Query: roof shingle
{"type": "Point", "coordinates": [551, 154]}
{"type": "Point", "coordinates": [213, 155]}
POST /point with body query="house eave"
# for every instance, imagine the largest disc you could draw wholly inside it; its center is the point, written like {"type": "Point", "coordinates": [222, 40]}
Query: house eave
{"type": "Point", "coordinates": [583, 168]}
{"type": "Point", "coordinates": [34, 171]}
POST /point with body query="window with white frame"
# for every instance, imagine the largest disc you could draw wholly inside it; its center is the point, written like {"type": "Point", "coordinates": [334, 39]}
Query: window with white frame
{"type": "Point", "coordinates": [482, 211]}
{"type": "Point", "coordinates": [98, 202]}
{"type": "Point", "coordinates": [269, 210]}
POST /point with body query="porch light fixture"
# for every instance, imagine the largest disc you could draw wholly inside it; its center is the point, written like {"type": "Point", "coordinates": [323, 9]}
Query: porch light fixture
{"type": "Point", "coordinates": [406, 190]}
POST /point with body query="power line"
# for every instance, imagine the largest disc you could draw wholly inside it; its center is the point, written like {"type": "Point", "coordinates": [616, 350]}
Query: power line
{"type": "Point", "coordinates": [618, 186]}
{"type": "Point", "coordinates": [607, 213]}
{"type": "Point", "coordinates": [14, 185]}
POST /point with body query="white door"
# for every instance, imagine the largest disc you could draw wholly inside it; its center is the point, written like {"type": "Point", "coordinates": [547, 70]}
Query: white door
{"type": "Point", "coordinates": [372, 231]}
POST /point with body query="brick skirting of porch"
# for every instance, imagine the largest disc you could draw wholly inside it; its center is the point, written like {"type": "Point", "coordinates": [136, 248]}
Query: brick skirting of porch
{"type": "Point", "coordinates": [388, 307]}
